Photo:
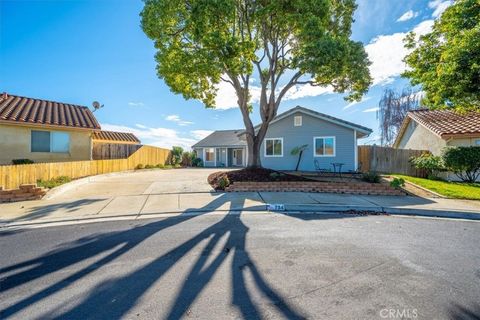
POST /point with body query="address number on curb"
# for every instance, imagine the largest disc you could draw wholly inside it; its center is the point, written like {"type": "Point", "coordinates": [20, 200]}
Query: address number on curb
{"type": "Point", "coordinates": [275, 207]}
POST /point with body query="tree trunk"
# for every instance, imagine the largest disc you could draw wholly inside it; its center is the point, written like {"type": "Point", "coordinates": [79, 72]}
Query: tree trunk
{"type": "Point", "coordinates": [299, 158]}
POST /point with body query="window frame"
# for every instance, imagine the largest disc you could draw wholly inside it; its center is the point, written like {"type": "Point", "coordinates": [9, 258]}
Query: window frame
{"type": "Point", "coordinates": [324, 155]}
{"type": "Point", "coordinates": [51, 135]}
{"type": "Point", "coordinates": [205, 154]}
{"type": "Point", "coordinates": [300, 123]}
{"type": "Point", "coordinates": [273, 155]}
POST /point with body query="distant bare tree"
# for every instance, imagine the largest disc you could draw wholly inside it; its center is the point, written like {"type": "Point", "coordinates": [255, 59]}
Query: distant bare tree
{"type": "Point", "coordinates": [393, 109]}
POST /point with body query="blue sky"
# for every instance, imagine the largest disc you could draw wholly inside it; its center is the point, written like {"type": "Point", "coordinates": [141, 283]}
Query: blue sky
{"type": "Point", "coordinates": [81, 51]}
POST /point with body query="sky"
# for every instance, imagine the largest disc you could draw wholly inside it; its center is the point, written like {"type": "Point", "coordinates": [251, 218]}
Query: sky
{"type": "Point", "coordinates": [80, 51]}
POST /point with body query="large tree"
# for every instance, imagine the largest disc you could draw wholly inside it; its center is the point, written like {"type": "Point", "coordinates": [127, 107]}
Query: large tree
{"type": "Point", "coordinates": [393, 108]}
{"type": "Point", "coordinates": [282, 44]}
{"type": "Point", "coordinates": [446, 62]}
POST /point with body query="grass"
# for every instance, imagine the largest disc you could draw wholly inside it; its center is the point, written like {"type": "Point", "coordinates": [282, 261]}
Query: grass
{"type": "Point", "coordinates": [52, 183]}
{"type": "Point", "coordinates": [457, 190]}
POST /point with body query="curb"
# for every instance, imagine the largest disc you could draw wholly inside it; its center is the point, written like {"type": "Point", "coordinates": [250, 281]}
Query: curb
{"type": "Point", "coordinates": [289, 209]}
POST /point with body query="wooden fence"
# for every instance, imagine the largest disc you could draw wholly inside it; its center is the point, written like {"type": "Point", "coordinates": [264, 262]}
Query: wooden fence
{"type": "Point", "coordinates": [102, 151]}
{"type": "Point", "coordinates": [12, 176]}
{"type": "Point", "coordinates": [389, 160]}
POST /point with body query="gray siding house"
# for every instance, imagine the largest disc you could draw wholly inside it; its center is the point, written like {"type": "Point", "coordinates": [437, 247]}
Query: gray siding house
{"type": "Point", "coordinates": [329, 140]}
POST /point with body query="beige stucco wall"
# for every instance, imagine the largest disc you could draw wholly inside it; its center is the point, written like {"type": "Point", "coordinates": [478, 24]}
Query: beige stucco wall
{"type": "Point", "coordinates": [418, 137]}
{"type": "Point", "coordinates": [15, 144]}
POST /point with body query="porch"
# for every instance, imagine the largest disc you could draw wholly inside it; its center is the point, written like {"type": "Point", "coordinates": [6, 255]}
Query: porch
{"type": "Point", "coordinates": [225, 157]}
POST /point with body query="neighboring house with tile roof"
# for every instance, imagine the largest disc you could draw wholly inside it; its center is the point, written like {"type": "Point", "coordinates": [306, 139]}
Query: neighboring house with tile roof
{"type": "Point", "coordinates": [115, 137]}
{"type": "Point", "coordinates": [328, 139]}
{"type": "Point", "coordinates": [434, 130]}
{"type": "Point", "coordinates": [46, 131]}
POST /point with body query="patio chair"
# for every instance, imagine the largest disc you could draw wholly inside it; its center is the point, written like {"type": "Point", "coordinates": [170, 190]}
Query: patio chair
{"type": "Point", "coordinates": [320, 170]}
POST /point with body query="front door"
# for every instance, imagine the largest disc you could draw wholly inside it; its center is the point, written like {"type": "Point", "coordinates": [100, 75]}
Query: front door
{"type": "Point", "coordinates": [237, 157]}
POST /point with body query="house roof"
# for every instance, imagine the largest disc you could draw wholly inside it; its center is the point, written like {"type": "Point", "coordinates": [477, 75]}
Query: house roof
{"type": "Point", "coordinates": [363, 131]}
{"type": "Point", "coordinates": [222, 138]}
{"type": "Point", "coordinates": [225, 138]}
{"type": "Point", "coordinates": [29, 111]}
{"type": "Point", "coordinates": [444, 123]}
{"type": "Point", "coordinates": [115, 136]}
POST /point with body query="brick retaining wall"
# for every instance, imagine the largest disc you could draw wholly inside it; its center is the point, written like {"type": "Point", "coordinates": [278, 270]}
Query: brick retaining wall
{"type": "Point", "coordinates": [24, 192]}
{"type": "Point", "coordinates": [314, 186]}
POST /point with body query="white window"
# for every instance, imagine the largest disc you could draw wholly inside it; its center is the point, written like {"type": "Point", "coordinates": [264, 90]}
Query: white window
{"type": "Point", "coordinates": [297, 121]}
{"type": "Point", "coordinates": [50, 141]}
{"type": "Point", "coordinates": [324, 146]}
{"type": "Point", "coordinates": [209, 154]}
{"type": "Point", "coordinates": [274, 147]}
{"type": "Point", "coordinates": [477, 142]}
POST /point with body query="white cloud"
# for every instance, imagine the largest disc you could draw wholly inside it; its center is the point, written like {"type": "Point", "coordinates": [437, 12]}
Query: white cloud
{"type": "Point", "coordinates": [136, 104]}
{"type": "Point", "coordinates": [439, 6]}
{"type": "Point", "coordinates": [200, 134]}
{"type": "Point", "coordinates": [387, 52]}
{"type": "Point", "coordinates": [410, 14]}
{"type": "Point", "coordinates": [227, 97]}
{"type": "Point", "coordinates": [160, 137]}
{"type": "Point", "coordinates": [351, 104]}
{"type": "Point", "coordinates": [375, 109]}
{"type": "Point", "coordinates": [306, 90]}
{"type": "Point", "coordinates": [176, 118]}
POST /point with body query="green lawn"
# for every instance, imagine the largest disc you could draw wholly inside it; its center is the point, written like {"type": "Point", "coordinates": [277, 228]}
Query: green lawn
{"type": "Point", "coordinates": [458, 190]}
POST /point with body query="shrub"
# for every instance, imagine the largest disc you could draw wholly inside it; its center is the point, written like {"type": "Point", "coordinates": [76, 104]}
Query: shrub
{"type": "Point", "coordinates": [432, 165]}
{"type": "Point", "coordinates": [52, 183]}
{"type": "Point", "coordinates": [223, 182]}
{"type": "Point", "coordinates": [139, 166]}
{"type": "Point", "coordinates": [197, 162]}
{"type": "Point", "coordinates": [176, 155]}
{"type": "Point", "coordinates": [397, 183]}
{"type": "Point", "coordinates": [187, 158]}
{"type": "Point", "coordinates": [22, 161]}
{"type": "Point", "coordinates": [160, 166]}
{"type": "Point", "coordinates": [463, 161]}
{"type": "Point", "coordinates": [167, 166]}
{"type": "Point", "coordinates": [178, 165]}
{"type": "Point", "coordinates": [149, 166]}
{"type": "Point", "coordinates": [371, 177]}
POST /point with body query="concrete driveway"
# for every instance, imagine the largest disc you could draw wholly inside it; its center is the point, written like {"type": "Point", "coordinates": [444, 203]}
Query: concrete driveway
{"type": "Point", "coordinates": [142, 182]}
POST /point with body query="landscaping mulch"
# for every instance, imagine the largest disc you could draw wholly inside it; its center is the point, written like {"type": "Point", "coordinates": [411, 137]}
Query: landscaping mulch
{"type": "Point", "coordinates": [247, 174]}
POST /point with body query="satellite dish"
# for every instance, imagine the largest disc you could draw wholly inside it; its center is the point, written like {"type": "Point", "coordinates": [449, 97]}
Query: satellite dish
{"type": "Point", "coordinates": [96, 105]}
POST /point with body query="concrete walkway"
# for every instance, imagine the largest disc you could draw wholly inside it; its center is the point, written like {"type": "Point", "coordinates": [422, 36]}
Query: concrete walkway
{"type": "Point", "coordinates": [148, 205]}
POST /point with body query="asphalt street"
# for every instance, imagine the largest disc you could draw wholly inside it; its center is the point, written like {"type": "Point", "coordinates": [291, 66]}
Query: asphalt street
{"type": "Point", "coordinates": [253, 265]}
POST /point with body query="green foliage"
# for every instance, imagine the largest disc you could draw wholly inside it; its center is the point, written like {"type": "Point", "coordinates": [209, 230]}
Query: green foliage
{"type": "Point", "coordinates": [296, 151]}
{"type": "Point", "coordinates": [22, 161]}
{"type": "Point", "coordinates": [52, 183]}
{"type": "Point", "coordinates": [197, 162]}
{"type": "Point", "coordinates": [160, 166]}
{"type": "Point", "coordinates": [463, 161]}
{"type": "Point", "coordinates": [446, 62]}
{"type": "Point", "coordinates": [167, 166]}
{"type": "Point", "coordinates": [276, 175]}
{"type": "Point", "coordinates": [187, 158]}
{"type": "Point", "coordinates": [433, 165]}
{"type": "Point", "coordinates": [198, 42]}
{"type": "Point", "coordinates": [139, 166]}
{"type": "Point", "coordinates": [176, 155]}
{"type": "Point", "coordinates": [397, 183]}
{"type": "Point", "coordinates": [371, 177]}
{"type": "Point", "coordinates": [223, 182]}
{"type": "Point", "coordinates": [149, 166]}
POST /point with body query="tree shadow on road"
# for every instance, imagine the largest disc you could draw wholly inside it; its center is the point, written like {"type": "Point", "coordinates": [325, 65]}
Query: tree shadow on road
{"type": "Point", "coordinates": [113, 298]}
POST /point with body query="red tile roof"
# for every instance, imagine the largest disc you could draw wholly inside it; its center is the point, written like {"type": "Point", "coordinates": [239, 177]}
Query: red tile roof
{"type": "Point", "coordinates": [21, 110]}
{"type": "Point", "coordinates": [115, 136]}
{"type": "Point", "coordinates": [447, 123]}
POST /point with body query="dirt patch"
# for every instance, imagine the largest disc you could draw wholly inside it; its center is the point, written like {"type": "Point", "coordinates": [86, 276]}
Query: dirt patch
{"type": "Point", "coordinates": [252, 175]}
